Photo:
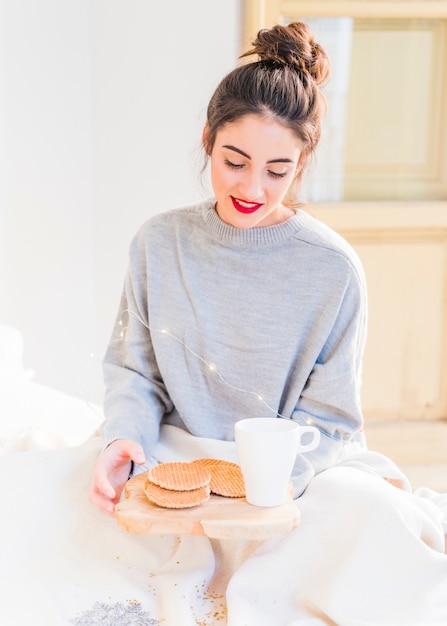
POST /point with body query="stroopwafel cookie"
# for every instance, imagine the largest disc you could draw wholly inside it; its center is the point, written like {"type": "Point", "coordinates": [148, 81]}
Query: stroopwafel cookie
{"type": "Point", "coordinates": [172, 499]}
{"type": "Point", "coordinates": [226, 477]}
{"type": "Point", "coordinates": [179, 476]}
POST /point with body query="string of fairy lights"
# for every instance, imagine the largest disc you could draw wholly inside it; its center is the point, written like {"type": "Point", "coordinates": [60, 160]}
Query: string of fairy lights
{"type": "Point", "coordinates": [212, 367]}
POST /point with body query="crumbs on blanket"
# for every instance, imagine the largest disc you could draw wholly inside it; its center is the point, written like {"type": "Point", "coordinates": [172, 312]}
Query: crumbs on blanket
{"type": "Point", "coordinates": [118, 614]}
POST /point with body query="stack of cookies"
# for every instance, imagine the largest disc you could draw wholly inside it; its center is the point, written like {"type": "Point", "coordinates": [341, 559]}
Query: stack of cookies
{"type": "Point", "coordinates": [182, 485]}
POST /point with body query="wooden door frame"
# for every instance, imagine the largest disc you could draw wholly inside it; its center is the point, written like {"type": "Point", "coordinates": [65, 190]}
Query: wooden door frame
{"type": "Point", "coordinates": [265, 13]}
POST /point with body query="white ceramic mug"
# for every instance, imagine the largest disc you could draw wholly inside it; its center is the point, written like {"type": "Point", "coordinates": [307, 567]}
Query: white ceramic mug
{"type": "Point", "coordinates": [267, 448]}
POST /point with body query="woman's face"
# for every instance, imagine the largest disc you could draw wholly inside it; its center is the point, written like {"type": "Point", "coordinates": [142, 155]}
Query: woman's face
{"type": "Point", "coordinates": [253, 162]}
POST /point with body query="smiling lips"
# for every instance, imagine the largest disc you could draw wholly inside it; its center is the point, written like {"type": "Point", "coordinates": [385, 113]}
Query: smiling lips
{"type": "Point", "coordinates": [245, 207]}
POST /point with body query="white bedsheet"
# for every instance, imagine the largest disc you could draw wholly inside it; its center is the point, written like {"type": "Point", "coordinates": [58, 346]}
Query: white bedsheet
{"type": "Point", "coordinates": [63, 562]}
{"type": "Point", "coordinates": [365, 553]}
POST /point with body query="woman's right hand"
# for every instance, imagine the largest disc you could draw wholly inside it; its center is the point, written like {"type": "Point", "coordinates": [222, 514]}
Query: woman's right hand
{"type": "Point", "coordinates": [111, 473]}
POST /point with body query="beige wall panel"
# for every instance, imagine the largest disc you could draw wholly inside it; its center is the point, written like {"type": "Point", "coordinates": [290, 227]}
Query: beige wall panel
{"type": "Point", "coordinates": [404, 357]}
{"type": "Point", "coordinates": [403, 248]}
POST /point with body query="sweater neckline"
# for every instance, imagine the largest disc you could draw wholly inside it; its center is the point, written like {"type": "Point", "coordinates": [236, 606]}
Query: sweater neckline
{"type": "Point", "coordinates": [263, 235]}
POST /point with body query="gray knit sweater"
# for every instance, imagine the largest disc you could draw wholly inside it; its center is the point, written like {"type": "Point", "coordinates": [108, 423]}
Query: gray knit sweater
{"type": "Point", "coordinates": [218, 323]}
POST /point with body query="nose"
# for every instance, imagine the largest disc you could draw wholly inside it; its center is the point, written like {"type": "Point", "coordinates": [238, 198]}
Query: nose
{"type": "Point", "coordinates": [252, 186]}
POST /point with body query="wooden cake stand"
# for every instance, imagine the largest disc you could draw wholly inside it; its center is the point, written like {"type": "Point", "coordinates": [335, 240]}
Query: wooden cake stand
{"type": "Point", "coordinates": [219, 517]}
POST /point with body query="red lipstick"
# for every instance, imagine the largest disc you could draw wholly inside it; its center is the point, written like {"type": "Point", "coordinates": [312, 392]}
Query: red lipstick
{"type": "Point", "coordinates": [245, 207]}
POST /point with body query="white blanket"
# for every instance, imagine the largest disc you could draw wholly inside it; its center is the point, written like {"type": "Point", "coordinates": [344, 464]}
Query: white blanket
{"type": "Point", "coordinates": [365, 554]}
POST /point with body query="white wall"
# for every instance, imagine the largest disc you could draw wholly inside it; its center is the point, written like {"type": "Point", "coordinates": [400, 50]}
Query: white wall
{"type": "Point", "coordinates": [102, 103]}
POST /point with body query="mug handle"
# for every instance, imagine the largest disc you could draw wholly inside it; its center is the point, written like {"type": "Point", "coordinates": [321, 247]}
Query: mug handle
{"type": "Point", "coordinates": [314, 441]}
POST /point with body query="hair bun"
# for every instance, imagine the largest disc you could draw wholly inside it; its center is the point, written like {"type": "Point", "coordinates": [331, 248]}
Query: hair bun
{"type": "Point", "coordinates": [293, 46]}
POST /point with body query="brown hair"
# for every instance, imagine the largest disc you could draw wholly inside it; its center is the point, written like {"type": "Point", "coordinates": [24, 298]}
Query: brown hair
{"type": "Point", "coordinates": [284, 83]}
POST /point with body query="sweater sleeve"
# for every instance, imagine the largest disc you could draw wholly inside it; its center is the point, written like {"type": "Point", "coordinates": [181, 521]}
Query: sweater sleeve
{"type": "Point", "coordinates": [331, 398]}
{"type": "Point", "coordinates": [136, 398]}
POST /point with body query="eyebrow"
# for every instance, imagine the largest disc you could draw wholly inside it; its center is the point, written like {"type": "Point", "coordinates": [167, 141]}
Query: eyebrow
{"type": "Point", "coordinates": [247, 156]}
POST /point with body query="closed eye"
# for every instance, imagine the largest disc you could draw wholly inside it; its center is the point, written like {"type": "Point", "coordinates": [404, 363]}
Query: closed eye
{"type": "Point", "coordinates": [238, 166]}
{"type": "Point", "coordinates": [235, 166]}
{"type": "Point", "coordinates": [276, 174]}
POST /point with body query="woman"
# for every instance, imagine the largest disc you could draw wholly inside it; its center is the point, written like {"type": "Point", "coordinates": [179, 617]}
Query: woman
{"type": "Point", "coordinates": [272, 297]}
{"type": "Point", "coordinates": [243, 306]}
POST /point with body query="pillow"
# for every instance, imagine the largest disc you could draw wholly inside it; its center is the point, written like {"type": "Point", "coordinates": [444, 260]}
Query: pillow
{"type": "Point", "coordinates": [33, 416]}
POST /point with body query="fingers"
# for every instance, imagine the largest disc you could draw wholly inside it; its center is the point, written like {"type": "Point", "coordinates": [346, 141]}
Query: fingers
{"type": "Point", "coordinates": [103, 502]}
{"type": "Point", "coordinates": [101, 493]}
{"type": "Point", "coordinates": [112, 471]}
{"type": "Point", "coordinates": [105, 489]}
{"type": "Point", "coordinates": [135, 452]}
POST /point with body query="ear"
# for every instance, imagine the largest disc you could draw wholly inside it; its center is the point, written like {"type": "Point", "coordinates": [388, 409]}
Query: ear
{"type": "Point", "coordinates": [206, 139]}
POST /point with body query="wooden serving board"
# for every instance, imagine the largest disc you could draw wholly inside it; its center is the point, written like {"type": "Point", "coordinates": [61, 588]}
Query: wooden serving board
{"type": "Point", "coordinates": [219, 517]}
